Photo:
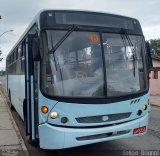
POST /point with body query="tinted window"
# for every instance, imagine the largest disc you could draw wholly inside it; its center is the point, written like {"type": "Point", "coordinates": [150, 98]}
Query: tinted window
{"type": "Point", "coordinates": [20, 50]}
{"type": "Point", "coordinates": [16, 51]}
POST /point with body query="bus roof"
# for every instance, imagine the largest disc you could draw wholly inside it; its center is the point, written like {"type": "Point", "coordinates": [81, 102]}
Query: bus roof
{"type": "Point", "coordinates": [81, 10]}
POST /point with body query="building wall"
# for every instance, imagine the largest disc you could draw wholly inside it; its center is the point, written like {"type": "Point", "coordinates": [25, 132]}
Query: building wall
{"type": "Point", "coordinates": [156, 63]}
{"type": "Point", "coordinates": [155, 78]}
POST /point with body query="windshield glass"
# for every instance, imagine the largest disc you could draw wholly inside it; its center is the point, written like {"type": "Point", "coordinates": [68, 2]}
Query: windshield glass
{"type": "Point", "coordinates": [124, 71]}
{"type": "Point", "coordinates": [77, 68]}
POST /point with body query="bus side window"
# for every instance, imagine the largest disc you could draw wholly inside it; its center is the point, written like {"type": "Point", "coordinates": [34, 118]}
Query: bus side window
{"type": "Point", "coordinates": [16, 51]}
{"type": "Point", "coordinates": [14, 63]}
{"type": "Point", "coordinates": [19, 57]}
{"type": "Point", "coordinates": [13, 56]}
{"type": "Point", "coordinates": [9, 62]}
{"type": "Point", "coordinates": [19, 51]}
{"type": "Point", "coordinates": [11, 67]}
{"type": "Point", "coordinates": [22, 57]}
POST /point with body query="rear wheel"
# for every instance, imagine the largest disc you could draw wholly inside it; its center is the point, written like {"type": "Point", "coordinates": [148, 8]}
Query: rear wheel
{"type": "Point", "coordinates": [10, 102]}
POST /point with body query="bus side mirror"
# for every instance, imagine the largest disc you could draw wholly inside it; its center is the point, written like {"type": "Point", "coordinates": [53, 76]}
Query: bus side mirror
{"type": "Point", "coordinates": [36, 49]}
{"type": "Point", "coordinates": [148, 56]}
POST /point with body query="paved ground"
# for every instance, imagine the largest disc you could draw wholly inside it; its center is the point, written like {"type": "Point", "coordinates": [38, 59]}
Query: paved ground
{"type": "Point", "coordinates": [11, 141]}
{"type": "Point", "coordinates": [155, 100]}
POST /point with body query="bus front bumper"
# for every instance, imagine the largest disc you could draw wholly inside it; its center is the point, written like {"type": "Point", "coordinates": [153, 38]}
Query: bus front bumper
{"type": "Point", "coordinates": [53, 137]}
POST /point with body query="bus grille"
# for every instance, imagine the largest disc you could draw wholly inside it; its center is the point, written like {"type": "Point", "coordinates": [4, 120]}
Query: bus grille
{"type": "Point", "coordinates": [104, 135]}
{"type": "Point", "coordinates": [103, 118]}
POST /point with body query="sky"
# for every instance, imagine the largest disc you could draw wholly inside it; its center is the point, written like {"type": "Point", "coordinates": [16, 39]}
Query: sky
{"type": "Point", "coordinates": [17, 15]}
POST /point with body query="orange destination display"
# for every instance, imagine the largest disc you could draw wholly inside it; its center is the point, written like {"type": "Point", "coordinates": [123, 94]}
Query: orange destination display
{"type": "Point", "coordinates": [95, 38]}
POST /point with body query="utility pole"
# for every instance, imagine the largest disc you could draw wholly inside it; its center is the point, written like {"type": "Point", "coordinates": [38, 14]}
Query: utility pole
{"type": "Point", "coordinates": [0, 55]}
{"type": "Point", "coordinates": [0, 49]}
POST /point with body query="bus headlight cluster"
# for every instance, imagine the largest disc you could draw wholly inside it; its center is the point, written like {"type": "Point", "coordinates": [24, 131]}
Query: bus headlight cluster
{"type": "Point", "coordinates": [55, 115]}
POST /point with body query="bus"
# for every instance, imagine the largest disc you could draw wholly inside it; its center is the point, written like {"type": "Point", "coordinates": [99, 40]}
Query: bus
{"type": "Point", "coordinates": [80, 77]}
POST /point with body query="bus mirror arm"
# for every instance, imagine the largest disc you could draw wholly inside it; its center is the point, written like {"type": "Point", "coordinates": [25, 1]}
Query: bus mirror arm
{"type": "Point", "coordinates": [36, 49]}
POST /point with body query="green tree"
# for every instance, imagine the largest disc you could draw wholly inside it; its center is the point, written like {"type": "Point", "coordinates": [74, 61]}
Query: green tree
{"type": "Point", "coordinates": [2, 73]}
{"type": "Point", "coordinates": [155, 46]}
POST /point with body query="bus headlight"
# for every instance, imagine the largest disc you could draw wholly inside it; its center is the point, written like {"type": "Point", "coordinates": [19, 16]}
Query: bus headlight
{"type": "Point", "coordinates": [54, 115]}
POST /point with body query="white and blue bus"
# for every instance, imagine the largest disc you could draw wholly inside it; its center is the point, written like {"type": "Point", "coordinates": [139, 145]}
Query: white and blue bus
{"type": "Point", "coordinates": [80, 77]}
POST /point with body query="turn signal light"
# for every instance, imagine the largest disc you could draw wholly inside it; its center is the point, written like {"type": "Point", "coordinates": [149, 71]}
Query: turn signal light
{"type": "Point", "coordinates": [54, 115]}
{"type": "Point", "coordinates": [44, 109]}
{"type": "Point", "coordinates": [139, 130]}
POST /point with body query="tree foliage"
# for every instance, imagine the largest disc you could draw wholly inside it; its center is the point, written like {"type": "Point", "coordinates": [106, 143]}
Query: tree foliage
{"type": "Point", "coordinates": [2, 73]}
{"type": "Point", "coordinates": [155, 46]}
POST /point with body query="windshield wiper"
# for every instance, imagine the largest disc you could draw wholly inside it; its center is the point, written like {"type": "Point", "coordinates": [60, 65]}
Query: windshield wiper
{"type": "Point", "coordinates": [55, 62]}
{"type": "Point", "coordinates": [131, 47]}
{"type": "Point", "coordinates": [62, 39]}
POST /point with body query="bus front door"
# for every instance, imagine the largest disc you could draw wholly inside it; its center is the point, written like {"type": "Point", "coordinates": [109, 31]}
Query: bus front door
{"type": "Point", "coordinates": [30, 93]}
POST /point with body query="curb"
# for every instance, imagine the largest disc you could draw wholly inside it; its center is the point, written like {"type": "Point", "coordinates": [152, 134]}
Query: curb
{"type": "Point", "coordinates": [5, 98]}
{"type": "Point", "coordinates": [154, 105]}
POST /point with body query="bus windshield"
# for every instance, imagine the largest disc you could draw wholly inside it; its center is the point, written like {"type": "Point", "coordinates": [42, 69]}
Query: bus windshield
{"type": "Point", "coordinates": [90, 64]}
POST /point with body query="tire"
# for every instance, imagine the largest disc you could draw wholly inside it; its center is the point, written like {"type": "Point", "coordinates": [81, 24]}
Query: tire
{"type": "Point", "coordinates": [10, 102]}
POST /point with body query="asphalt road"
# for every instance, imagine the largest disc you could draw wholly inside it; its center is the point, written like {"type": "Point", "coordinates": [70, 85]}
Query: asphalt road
{"type": "Point", "coordinates": [136, 145]}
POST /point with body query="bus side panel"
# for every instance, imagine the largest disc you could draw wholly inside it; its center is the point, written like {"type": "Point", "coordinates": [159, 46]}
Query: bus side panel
{"type": "Point", "coordinates": [16, 85]}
